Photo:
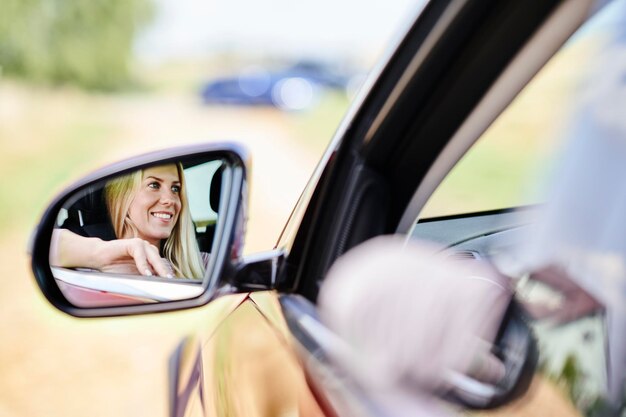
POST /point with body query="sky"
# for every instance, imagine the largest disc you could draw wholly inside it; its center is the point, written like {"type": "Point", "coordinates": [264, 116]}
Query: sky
{"type": "Point", "coordinates": [313, 28]}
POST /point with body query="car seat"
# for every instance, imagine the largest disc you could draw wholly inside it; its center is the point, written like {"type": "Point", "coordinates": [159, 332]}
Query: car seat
{"type": "Point", "coordinates": [89, 217]}
{"type": "Point", "coordinates": [205, 239]}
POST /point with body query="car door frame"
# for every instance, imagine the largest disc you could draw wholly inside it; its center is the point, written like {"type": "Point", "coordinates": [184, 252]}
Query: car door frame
{"type": "Point", "coordinates": [434, 82]}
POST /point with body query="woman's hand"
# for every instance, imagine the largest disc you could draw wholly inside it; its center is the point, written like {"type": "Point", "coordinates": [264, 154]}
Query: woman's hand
{"type": "Point", "coordinates": [133, 256]}
{"type": "Point", "coordinates": [411, 318]}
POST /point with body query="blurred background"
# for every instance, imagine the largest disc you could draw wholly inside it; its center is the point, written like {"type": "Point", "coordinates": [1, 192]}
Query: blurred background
{"type": "Point", "coordinates": [87, 82]}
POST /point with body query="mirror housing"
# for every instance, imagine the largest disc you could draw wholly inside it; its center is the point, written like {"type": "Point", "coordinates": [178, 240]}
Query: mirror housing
{"type": "Point", "coordinates": [225, 258]}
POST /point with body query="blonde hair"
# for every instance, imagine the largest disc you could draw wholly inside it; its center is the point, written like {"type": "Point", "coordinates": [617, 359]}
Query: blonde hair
{"type": "Point", "coordinates": [180, 248]}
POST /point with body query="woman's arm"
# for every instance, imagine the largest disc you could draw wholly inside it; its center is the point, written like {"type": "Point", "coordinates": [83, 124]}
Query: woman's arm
{"type": "Point", "coordinates": [74, 251]}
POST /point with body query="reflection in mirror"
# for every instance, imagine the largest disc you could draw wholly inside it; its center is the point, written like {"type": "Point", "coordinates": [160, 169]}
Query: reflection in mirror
{"type": "Point", "coordinates": [141, 237]}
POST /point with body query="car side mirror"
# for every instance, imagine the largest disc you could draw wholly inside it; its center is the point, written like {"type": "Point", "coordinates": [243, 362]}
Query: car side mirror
{"type": "Point", "coordinates": [157, 232]}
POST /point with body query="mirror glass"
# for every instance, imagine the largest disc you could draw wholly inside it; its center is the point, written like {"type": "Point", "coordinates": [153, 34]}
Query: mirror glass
{"type": "Point", "coordinates": [144, 236]}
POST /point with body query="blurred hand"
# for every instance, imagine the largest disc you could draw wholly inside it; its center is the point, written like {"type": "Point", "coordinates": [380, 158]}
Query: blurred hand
{"type": "Point", "coordinates": [413, 318]}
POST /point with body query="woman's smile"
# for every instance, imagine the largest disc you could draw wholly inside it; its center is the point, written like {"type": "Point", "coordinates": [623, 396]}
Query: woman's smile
{"type": "Point", "coordinates": [162, 215]}
{"type": "Point", "coordinates": [155, 208]}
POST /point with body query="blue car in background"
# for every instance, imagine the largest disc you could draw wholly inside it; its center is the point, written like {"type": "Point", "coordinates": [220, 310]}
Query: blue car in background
{"type": "Point", "coordinates": [296, 87]}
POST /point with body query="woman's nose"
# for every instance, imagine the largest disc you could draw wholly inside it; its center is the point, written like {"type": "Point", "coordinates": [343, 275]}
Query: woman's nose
{"type": "Point", "coordinates": [168, 197]}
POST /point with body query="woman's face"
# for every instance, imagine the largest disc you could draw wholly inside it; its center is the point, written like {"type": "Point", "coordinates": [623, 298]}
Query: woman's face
{"type": "Point", "coordinates": [156, 205]}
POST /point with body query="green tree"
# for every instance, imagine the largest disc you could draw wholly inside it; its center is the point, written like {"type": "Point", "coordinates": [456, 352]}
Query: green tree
{"type": "Point", "coordinates": [88, 43]}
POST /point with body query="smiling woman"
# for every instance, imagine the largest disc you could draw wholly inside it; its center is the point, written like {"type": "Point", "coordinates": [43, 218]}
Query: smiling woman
{"type": "Point", "coordinates": [151, 205]}
{"type": "Point", "coordinates": [152, 210]}
{"type": "Point", "coordinates": [154, 233]}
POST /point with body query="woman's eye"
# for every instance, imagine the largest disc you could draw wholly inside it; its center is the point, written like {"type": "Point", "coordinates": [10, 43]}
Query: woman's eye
{"type": "Point", "coordinates": [154, 185]}
{"type": "Point", "coordinates": [176, 189]}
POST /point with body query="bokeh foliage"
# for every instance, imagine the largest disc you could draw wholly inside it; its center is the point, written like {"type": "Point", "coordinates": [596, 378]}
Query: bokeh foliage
{"type": "Point", "coordinates": [88, 43]}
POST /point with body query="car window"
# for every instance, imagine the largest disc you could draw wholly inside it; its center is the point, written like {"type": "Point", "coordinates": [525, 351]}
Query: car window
{"type": "Point", "coordinates": [565, 129]}
{"type": "Point", "coordinates": [197, 177]}
{"type": "Point", "coordinates": [508, 164]}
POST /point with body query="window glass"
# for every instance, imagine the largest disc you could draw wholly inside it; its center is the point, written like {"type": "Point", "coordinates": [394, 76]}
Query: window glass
{"type": "Point", "coordinates": [507, 165]}
{"type": "Point", "coordinates": [199, 195]}
{"type": "Point", "coordinates": [562, 142]}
